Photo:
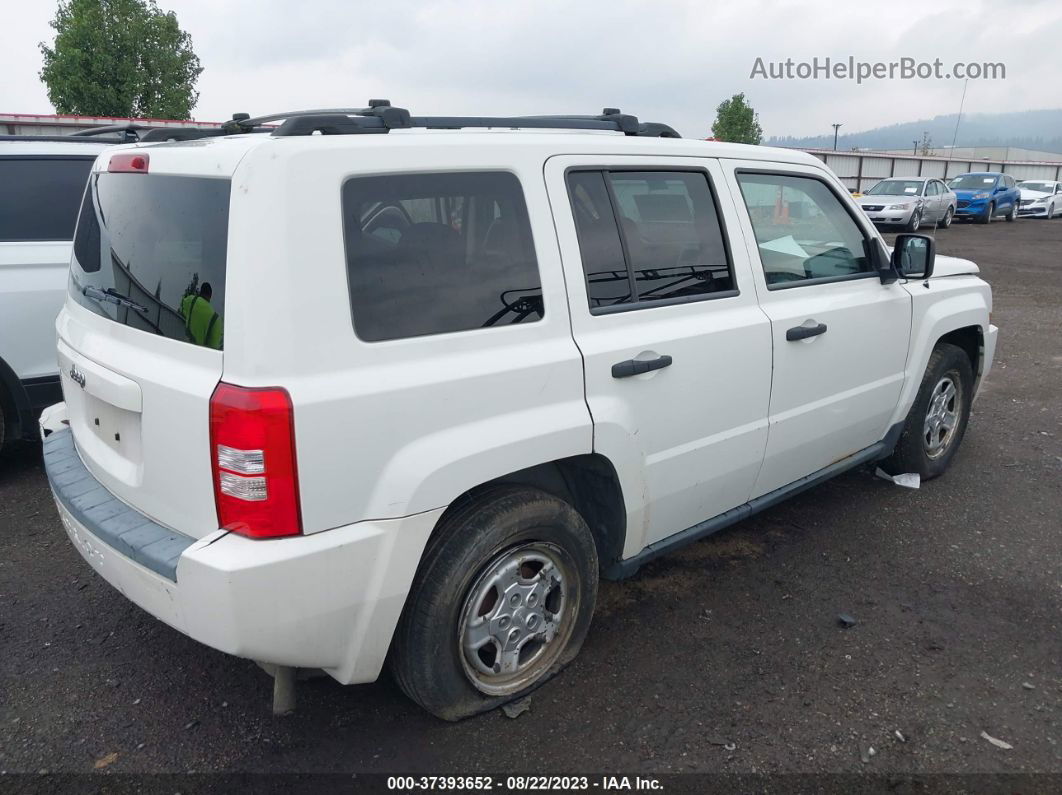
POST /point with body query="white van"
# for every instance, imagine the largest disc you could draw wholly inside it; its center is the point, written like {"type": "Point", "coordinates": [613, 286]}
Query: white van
{"type": "Point", "coordinates": [41, 184]}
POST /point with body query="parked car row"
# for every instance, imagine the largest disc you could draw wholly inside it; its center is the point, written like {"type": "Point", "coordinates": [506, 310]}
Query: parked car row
{"type": "Point", "coordinates": [911, 202]}
{"type": "Point", "coordinates": [346, 400]}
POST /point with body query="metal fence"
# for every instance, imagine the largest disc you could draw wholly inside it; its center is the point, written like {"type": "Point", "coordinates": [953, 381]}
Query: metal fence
{"type": "Point", "coordinates": [860, 170]}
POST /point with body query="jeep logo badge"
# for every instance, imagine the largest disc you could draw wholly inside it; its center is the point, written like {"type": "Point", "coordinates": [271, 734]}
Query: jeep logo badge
{"type": "Point", "coordinates": [77, 376]}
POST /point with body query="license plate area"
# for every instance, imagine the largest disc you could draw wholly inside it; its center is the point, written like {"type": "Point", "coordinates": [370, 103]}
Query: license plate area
{"type": "Point", "coordinates": [103, 408]}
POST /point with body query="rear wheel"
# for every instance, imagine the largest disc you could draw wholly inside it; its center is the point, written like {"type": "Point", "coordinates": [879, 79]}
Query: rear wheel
{"type": "Point", "coordinates": [937, 421]}
{"type": "Point", "coordinates": [502, 602]}
{"type": "Point", "coordinates": [986, 216]}
{"type": "Point", "coordinates": [948, 216]}
{"type": "Point", "coordinates": [1013, 214]}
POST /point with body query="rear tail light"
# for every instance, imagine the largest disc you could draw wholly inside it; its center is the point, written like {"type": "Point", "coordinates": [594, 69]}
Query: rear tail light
{"type": "Point", "coordinates": [252, 454]}
{"type": "Point", "coordinates": [128, 163]}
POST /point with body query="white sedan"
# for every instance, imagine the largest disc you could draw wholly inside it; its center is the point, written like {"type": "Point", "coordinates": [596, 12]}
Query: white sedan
{"type": "Point", "coordinates": [1040, 198]}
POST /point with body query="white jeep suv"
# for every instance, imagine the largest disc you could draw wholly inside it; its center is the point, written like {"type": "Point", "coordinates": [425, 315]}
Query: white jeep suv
{"type": "Point", "coordinates": [401, 392]}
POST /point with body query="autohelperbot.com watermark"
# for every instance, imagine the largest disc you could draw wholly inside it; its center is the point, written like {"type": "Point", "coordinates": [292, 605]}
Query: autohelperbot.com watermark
{"type": "Point", "coordinates": [861, 71]}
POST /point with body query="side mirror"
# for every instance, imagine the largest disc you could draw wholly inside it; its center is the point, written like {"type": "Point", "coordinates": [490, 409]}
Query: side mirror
{"type": "Point", "coordinates": [913, 255]}
{"type": "Point", "coordinates": [1001, 188]}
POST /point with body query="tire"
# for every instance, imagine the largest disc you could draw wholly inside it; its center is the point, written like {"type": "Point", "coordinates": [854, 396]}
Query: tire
{"type": "Point", "coordinates": [986, 217]}
{"type": "Point", "coordinates": [1050, 212]}
{"type": "Point", "coordinates": [3, 424]}
{"type": "Point", "coordinates": [499, 543]}
{"type": "Point", "coordinates": [914, 222]}
{"type": "Point", "coordinates": [949, 216]}
{"type": "Point", "coordinates": [1012, 216]}
{"type": "Point", "coordinates": [922, 446]}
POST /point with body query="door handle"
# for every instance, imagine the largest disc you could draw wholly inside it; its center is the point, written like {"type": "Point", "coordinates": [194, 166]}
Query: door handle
{"type": "Point", "coordinates": [803, 332]}
{"type": "Point", "coordinates": [638, 366]}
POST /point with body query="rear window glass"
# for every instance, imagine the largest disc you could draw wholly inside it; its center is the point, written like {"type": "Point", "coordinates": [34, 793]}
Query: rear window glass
{"type": "Point", "coordinates": [39, 196]}
{"type": "Point", "coordinates": [150, 253]}
{"type": "Point", "coordinates": [438, 253]}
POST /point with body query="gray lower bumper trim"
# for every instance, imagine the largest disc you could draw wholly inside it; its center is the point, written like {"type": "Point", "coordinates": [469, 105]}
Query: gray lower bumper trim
{"type": "Point", "coordinates": [109, 519]}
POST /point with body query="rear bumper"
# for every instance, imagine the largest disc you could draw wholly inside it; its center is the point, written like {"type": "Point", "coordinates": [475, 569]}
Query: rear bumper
{"type": "Point", "coordinates": [328, 600]}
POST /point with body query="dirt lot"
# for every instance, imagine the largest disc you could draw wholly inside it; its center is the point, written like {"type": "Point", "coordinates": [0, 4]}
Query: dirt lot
{"type": "Point", "coordinates": [724, 657]}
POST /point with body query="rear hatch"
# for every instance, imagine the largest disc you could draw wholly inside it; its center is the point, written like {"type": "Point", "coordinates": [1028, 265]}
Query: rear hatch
{"type": "Point", "coordinates": [141, 337]}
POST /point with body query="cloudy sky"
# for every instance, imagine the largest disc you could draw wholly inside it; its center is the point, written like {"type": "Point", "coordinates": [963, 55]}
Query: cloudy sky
{"type": "Point", "coordinates": [664, 60]}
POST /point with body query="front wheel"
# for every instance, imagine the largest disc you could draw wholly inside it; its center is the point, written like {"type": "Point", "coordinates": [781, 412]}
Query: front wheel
{"type": "Point", "coordinates": [502, 602]}
{"type": "Point", "coordinates": [986, 217]}
{"type": "Point", "coordinates": [937, 421]}
{"type": "Point", "coordinates": [914, 222]}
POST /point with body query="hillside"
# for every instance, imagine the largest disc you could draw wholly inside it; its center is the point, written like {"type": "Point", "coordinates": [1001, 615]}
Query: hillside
{"type": "Point", "coordinates": [1030, 129]}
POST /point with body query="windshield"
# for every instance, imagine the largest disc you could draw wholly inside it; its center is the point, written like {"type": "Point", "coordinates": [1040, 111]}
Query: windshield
{"type": "Point", "coordinates": [1043, 187]}
{"type": "Point", "coordinates": [149, 252]}
{"type": "Point", "coordinates": [897, 187]}
{"type": "Point", "coordinates": [973, 182]}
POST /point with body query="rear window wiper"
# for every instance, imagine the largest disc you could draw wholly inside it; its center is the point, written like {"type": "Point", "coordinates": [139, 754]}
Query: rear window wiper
{"type": "Point", "coordinates": [110, 295]}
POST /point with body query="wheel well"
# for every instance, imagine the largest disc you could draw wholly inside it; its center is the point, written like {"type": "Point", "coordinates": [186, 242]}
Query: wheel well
{"type": "Point", "coordinates": [588, 483]}
{"type": "Point", "coordinates": [971, 340]}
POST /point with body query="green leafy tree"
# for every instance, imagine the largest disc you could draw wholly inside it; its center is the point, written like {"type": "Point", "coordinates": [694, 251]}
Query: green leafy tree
{"type": "Point", "coordinates": [120, 58]}
{"type": "Point", "coordinates": [736, 121]}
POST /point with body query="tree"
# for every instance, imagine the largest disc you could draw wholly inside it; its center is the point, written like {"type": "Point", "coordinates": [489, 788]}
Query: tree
{"type": "Point", "coordinates": [120, 58]}
{"type": "Point", "coordinates": [736, 121]}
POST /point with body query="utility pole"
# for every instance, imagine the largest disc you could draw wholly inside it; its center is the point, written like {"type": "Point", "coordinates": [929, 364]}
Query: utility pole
{"type": "Point", "coordinates": [836, 127]}
{"type": "Point", "coordinates": [916, 146]}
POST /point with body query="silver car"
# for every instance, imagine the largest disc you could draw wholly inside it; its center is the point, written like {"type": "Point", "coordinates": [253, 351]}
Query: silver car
{"type": "Point", "coordinates": [909, 202]}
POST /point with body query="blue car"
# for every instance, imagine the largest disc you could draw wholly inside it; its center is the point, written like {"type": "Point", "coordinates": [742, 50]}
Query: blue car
{"type": "Point", "coordinates": [982, 196]}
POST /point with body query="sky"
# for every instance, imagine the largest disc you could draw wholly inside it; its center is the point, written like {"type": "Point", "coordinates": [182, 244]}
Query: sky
{"type": "Point", "coordinates": [671, 61]}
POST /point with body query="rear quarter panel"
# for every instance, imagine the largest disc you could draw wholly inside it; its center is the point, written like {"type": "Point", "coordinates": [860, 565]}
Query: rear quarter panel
{"type": "Point", "coordinates": [389, 429]}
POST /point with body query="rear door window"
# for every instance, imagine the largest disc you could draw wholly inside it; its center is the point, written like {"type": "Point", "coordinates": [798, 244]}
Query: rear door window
{"type": "Point", "coordinates": [648, 237]}
{"type": "Point", "coordinates": [150, 253]}
{"type": "Point", "coordinates": [438, 253]}
{"type": "Point", "coordinates": [39, 196]}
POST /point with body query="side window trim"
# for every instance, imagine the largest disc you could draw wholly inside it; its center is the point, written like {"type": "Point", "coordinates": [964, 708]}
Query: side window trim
{"type": "Point", "coordinates": [868, 239]}
{"type": "Point", "coordinates": [635, 303]}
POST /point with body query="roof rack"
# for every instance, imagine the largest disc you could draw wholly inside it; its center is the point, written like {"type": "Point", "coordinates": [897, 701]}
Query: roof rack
{"type": "Point", "coordinates": [129, 132]}
{"type": "Point", "coordinates": [381, 117]}
{"type": "Point", "coordinates": [66, 139]}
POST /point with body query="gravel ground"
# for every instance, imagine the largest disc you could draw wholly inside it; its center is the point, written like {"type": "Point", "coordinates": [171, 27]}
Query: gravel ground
{"type": "Point", "coordinates": [725, 657]}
